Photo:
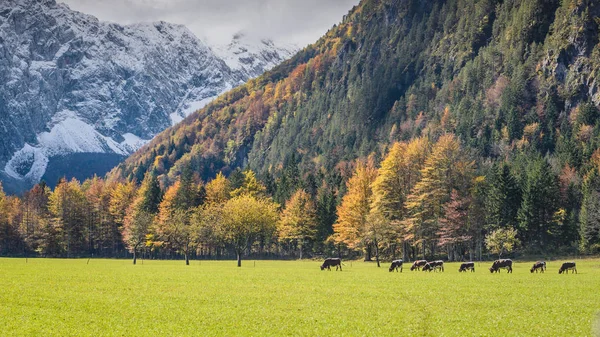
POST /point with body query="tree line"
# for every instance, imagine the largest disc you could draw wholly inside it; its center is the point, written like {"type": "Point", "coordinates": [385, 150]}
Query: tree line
{"type": "Point", "coordinates": [425, 198]}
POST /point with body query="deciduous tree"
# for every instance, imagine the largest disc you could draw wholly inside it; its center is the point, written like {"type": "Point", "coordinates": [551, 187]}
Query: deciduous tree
{"type": "Point", "coordinates": [298, 220]}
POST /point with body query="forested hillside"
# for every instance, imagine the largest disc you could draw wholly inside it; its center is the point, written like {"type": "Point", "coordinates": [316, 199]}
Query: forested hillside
{"type": "Point", "coordinates": [456, 126]}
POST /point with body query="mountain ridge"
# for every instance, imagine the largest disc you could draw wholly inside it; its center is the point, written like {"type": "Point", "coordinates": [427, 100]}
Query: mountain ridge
{"type": "Point", "coordinates": [75, 84]}
{"type": "Point", "coordinates": [392, 70]}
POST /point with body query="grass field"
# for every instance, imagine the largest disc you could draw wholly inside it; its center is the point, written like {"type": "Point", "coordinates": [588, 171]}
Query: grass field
{"type": "Point", "coordinates": [277, 298]}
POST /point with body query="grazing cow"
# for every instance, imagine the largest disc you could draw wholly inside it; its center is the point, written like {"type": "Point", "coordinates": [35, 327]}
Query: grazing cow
{"type": "Point", "coordinates": [540, 265]}
{"type": "Point", "coordinates": [434, 265]}
{"type": "Point", "coordinates": [568, 266]}
{"type": "Point", "coordinates": [418, 265]}
{"type": "Point", "coordinates": [332, 262]}
{"type": "Point", "coordinates": [500, 264]}
{"type": "Point", "coordinates": [466, 266]}
{"type": "Point", "coordinates": [396, 264]}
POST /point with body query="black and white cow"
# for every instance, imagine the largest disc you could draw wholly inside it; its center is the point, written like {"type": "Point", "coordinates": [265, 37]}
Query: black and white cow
{"type": "Point", "coordinates": [434, 265]}
{"type": "Point", "coordinates": [418, 265]}
{"type": "Point", "coordinates": [396, 264]}
{"type": "Point", "coordinates": [540, 265]}
{"type": "Point", "coordinates": [501, 264]}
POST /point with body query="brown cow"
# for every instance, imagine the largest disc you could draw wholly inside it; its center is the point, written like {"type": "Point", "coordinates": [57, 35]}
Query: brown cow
{"type": "Point", "coordinates": [540, 265]}
{"type": "Point", "coordinates": [396, 264]}
{"type": "Point", "coordinates": [434, 265]}
{"type": "Point", "coordinates": [568, 266]}
{"type": "Point", "coordinates": [418, 265]}
{"type": "Point", "coordinates": [332, 262]}
{"type": "Point", "coordinates": [502, 263]}
{"type": "Point", "coordinates": [466, 266]}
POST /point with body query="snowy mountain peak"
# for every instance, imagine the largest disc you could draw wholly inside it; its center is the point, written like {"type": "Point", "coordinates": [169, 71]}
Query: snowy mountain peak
{"type": "Point", "coordinates": [252, 55]}
{"type": "Point", "coordinates": [75, 85]}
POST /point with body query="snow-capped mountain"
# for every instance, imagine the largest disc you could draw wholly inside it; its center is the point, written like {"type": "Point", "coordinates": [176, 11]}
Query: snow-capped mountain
{"type": "Point", "coordinates": [72, 84]}
{"type": "Point", "coordinates": [252, 56]}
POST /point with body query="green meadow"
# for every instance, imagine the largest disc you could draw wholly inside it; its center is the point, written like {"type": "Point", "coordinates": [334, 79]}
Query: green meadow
{"type": "Point", "coordinates": [52, 297]}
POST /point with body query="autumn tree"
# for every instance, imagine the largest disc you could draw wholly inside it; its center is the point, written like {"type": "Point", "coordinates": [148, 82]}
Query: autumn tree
{"type": "Point", "coordinates": [9, 231]}
{"type": "Point", "coordinates": [250, 186]}
{"type": "Point", "coordinates": [244, 219]}
{"type": "Point", "coordinates": [454, 231]}
{"type": "Point", "coordinates": [206, 221]}
{"type": "Point", "coordinates": [68, 213]}
{"type": "Point", "coordinates": [446, 168]}
{"type": "Point", "coordinates": [35, 216]}
{"type": "Point", "coordinates": [398, 173]}
{"type": "Point", "coordinates": [123, 196]}
{"type": "Point", "coordinates": [138, 218]}
{"type": "Point", "coordinates": [136, 226]}
{"type": "Point", "coordinates": [501, 241]}
{"type": "Point", "coordinates": [352, 227]}
{"type": "Point", "coordinates": [173, 224]}
{"type": "Point", "coordinates": [298, 221]}
{"type": "Point", "coordinates": [218, 190]}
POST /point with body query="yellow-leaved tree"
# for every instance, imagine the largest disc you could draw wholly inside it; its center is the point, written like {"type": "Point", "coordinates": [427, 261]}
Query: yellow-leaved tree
{"type": "Point", "coordinates": [446, 168]}
{"type": "Point", "coordinates": [398, 173]}
{"type": "Point", "coordinates": [298, 223]}
{"type": "Point", "coordinates": [244, 219]}
{"type": "Point", "coordinates": [352, 227]}
{"type": "Point", "coordinates": [218, 190]}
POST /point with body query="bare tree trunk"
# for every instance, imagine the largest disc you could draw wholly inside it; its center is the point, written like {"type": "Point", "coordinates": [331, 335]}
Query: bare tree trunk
{"type": "Point", "coordinates": [187, 254]}
{"type": "Point", "coordinates": [239, 258]}
{"type": "Point", "coordinates": [377, 254]}
{"type": "Point", "coordinates": [134, 256]}
{"type": "Point", "coordinates": [368, 254]}
{"type": "Point", "coordinates": [301, 243]}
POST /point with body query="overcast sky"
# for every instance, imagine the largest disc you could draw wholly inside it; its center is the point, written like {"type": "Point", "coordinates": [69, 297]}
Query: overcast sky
{"type": "Point", "coordinates": [292, 21]}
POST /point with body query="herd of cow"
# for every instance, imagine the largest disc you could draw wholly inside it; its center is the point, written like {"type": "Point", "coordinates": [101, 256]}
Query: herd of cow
{"type": "Point", "coordinates": [439, 265]}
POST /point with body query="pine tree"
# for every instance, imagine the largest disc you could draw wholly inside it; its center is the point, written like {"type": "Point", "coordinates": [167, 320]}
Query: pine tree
{"type": "Point", "coordinates": [503, 198]}
{"type": "Point", "coordinates": [250, 186]}
{"type": "Point", "coordinates": [150, 193]}
{"type": "Point", "coordinates": [589, 218]}
{"type": "Point", "coordinates": [536, 216]}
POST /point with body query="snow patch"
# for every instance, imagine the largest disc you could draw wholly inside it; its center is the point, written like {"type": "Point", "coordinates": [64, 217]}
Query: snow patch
{"type": "Point", "coordinates": [72, 135]}
{"type": "Point", "coordinates": [29, 163]}
{"type": "Point", "coordinates": [187, 108]}
{"type": "Point", "coordinates": [132, 142]}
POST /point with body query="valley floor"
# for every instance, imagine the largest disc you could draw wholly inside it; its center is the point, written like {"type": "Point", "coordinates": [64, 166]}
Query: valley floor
{"type": "Point", "coordinates": [55, 297]}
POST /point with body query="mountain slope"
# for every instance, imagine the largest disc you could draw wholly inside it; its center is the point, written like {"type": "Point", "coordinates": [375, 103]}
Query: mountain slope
{"type": "Point", "coordinates": [506, 76]}
{"type": "Point", "coordinates": [75, 85]}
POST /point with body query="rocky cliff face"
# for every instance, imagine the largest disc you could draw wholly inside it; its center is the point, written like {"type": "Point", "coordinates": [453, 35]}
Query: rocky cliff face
{"type": "Point", "coordinates": [73, 84]}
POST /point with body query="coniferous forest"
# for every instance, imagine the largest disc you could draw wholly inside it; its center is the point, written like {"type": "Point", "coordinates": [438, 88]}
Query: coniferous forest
{"type": "Point", "coordinates": [454, 128]}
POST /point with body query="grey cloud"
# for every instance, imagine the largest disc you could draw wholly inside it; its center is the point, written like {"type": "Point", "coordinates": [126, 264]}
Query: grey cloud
{"type": "Point", "coordinates": [294, 21]}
